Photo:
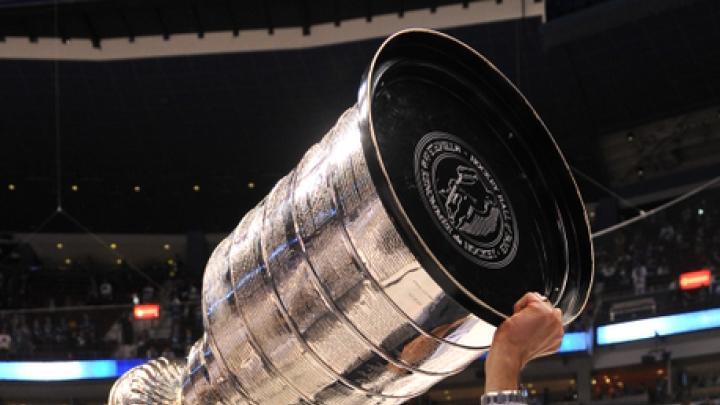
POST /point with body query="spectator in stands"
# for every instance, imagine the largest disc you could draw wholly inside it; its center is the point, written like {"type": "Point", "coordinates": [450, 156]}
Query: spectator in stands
{"type": "Point", "coordinates": [177, 343]}
{"type": "Point", "coordinates": [189, 340]}
{"type": "Point", "coordinates": [148, 294]}
{"type": "Point", "coordinates": [47, 330]}
{"type": "Point", "coordinates": [639, 274]}
{"type": "Point", "coordinates": [2, 290]}
{"type": "Point", "coordinates": [87, 329]}
{"type": "Point", "coordinates": [168, 353]}
{"type": "Point", "coordinates": [36, 330]}
{"type": "Point", "coordinates": [61, 332]}
{"type": "Point", "coordinates": [193, 295]}
{"type": "Point", "coordinates": [22, 339]}
{"type": "Point", "coordinates": [667, 233]}
{"type": "Point", "coordinates": [92, 292]}
{"type": "Point", "coordinates": [106, 292]}
{"type": "Point", "coordinates": [5, 344]}
{"type": "Point", "coordinates": [143, 342]}
{"type": "Point", "coordinates": [128, 331]}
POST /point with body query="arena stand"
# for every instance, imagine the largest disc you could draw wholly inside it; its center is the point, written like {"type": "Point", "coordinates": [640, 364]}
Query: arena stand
{"type": "Point", "coordinates": [84, 311]}
{"type": "Point", "coordinates": [81, 311]}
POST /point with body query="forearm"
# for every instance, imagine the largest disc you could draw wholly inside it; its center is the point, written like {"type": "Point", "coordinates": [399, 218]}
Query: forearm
{"type": "Point", "coordinates": [502, 371]}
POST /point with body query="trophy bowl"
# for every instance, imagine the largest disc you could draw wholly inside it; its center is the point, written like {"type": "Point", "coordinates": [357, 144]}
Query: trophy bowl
{"type": "Point", "coordinates": [385, 260]}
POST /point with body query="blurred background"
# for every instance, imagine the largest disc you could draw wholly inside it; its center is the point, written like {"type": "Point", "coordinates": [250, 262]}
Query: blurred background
{"type": "Point", "coordinates": [136, 134]}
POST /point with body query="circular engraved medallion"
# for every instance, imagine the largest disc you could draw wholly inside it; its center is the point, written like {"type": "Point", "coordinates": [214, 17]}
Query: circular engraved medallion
{"type": "Point", "coordinates": [465, 200]}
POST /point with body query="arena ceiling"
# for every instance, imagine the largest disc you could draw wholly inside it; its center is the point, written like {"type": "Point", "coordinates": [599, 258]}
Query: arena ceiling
{"type": "Point", "coordinates": [233, 124]}
{"type": "Point", "coordinates": [103, 19]}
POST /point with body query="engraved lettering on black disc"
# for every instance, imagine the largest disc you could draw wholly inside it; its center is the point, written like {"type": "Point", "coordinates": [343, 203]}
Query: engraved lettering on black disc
{"type": "Point", "coordinates": [465, 200]}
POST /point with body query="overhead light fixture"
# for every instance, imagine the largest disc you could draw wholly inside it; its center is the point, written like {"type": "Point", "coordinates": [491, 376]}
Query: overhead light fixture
{"type": "Point", "coordinates": [11, 187]}
{"type": "Point", "coordinates": [136, 189]}
{"type": "Point", "coordinates": [74, 187]}
{"type": "Point", "coordinates": [171, 262]}
{"type": "Point", "coordinates": [59, 245]}
{"type": "Point", "coordinates": [118, 261]}
{"type": "Point", "coordinates": [251, 185]}
{"type": "Point", "coordinates": [166, 246]}
{"type": "Point", "coordinates": [196, 188]}
{"type": "Point", "coordinates": [113, 246]}
{"type": "Point", "coordinates": [68, 261]}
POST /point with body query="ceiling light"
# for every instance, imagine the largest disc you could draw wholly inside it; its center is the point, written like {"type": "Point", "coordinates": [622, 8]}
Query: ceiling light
{"type": "Point", "coordinates": [170, 262]}
{"type": "Point", "coordinates": [136, 189]}
{"type": "Point", "coordinates": [74, 187]}
{"type": "Point", "coordinates": [118, 261]}
{"type": "Point", "coordinates": [166, 246]}
{"type": "Point", "coordinates": [196, 188]}
{"type": "Point", "coordinates": [113, 246]}
{"type": "Point", "coordinates": [59, 245]}
{"type": "Point", "coordinates": [11, 187]}
{"type": "Point", "coordinates": [251, 185]}
{"type": "Point", "coordinates": [68, 261]}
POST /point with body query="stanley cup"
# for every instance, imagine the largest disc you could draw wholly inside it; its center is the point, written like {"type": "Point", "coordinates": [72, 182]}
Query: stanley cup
{"type": "Point", "coordinates": [384, 261]}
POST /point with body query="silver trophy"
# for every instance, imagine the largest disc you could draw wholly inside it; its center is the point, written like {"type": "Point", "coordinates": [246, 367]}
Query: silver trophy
{"type": "Point", "coordinates": [384, 261]}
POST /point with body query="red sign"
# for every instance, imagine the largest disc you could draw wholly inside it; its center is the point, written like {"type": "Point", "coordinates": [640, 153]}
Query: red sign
{"type": "Point", "coordinates": [695, 279]}
{"type": "Point", "coordinates": [146, 311]}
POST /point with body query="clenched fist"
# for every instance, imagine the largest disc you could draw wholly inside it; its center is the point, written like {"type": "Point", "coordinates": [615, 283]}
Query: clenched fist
{"type": "Point", "coordinates": [535, 329]}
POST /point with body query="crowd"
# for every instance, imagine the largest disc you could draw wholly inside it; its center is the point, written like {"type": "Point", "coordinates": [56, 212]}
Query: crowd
{"type": "Point", "coordinates": [84, 311]}
{"type": "Point", "coordinates": [645, 259]}
{"type": "Point", "coordinates": [103, 331]}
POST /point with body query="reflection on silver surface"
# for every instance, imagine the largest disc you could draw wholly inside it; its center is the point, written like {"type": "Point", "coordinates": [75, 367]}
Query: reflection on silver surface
{"type": "Point", "coordinates": [315, 298]}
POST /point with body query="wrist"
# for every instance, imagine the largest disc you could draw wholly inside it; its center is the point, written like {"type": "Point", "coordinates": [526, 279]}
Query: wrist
{"type": "Point", "coordinates": [502, 370]}
{"type": "Point", "coordinates": [511, 397]}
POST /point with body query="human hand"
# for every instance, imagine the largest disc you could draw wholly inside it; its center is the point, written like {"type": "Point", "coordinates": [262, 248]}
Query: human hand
{"type": "Point", "coordinates": [535, 329]}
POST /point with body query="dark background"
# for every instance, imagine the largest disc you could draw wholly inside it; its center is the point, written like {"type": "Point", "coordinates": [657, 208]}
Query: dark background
{"type": "Point", "coordinates": [222, 121]}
